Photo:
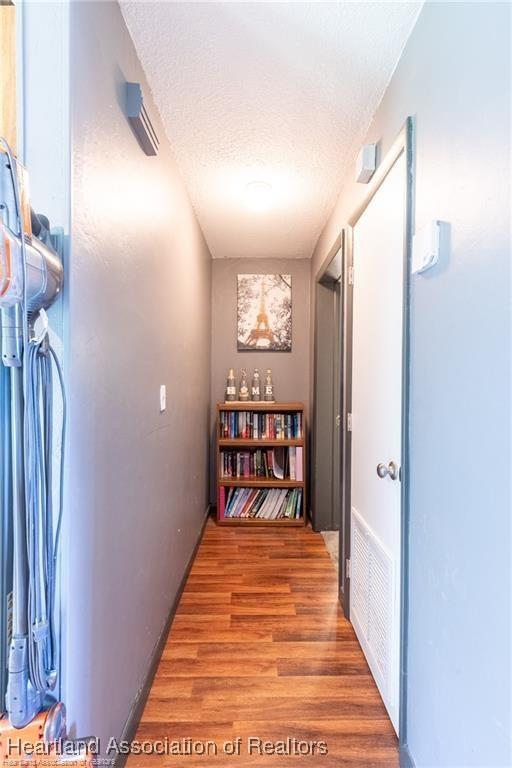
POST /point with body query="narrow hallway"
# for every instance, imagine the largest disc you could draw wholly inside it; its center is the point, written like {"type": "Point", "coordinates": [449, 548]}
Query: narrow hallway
{"type": "Point", "coordinates": [259, 648]}
{"type": "Point", "coordinates": [255, 291]}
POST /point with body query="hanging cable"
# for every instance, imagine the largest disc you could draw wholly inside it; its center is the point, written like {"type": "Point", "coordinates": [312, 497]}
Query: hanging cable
{"type": "Point", "coordinates": [42, 543]}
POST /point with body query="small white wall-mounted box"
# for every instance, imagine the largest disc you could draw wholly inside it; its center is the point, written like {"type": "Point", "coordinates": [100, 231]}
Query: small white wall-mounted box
{"type": "Point", "coordinates": [426, 244]}
{"type": "Point", "coordinates": [366, 163]}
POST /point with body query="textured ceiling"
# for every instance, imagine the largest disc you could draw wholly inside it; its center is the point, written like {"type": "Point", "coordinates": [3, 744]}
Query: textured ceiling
{"type": "Point", "coordinates": [275, 92]}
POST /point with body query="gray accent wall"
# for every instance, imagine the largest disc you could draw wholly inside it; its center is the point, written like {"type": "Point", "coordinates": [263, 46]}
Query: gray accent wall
{"type": "Point", "coordinates": [290, 370]}
{"type": "Point", "coordinates": [137, 316]}
{"type": "Point", "coordinates": [454, 78]}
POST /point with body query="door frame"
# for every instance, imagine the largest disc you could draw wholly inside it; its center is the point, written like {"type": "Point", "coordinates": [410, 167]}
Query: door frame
{"type": "Point", "coordinates": [403, 144]}
{"type": "Point", "coordinates": [330, 275]}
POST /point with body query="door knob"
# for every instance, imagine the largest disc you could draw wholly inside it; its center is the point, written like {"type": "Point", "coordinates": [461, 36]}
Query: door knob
{"type": "Point", "coordinates": [390, 469]}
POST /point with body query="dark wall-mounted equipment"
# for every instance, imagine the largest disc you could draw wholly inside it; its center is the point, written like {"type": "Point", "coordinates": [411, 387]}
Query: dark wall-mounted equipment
{"type": "Point", "coordinates": [139, 119]}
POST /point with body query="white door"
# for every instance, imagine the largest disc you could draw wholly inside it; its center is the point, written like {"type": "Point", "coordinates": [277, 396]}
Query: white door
{"type": "Point", "coordinates": [378, 257]}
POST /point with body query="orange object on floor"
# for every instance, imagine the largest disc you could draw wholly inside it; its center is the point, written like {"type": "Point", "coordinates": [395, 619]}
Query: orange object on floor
{"type": "Point", "coordinates": [26, 747]}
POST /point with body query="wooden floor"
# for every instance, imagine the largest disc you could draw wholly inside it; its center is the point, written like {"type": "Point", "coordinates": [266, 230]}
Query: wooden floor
{"type": "Point", "coordinates": [259, 648]}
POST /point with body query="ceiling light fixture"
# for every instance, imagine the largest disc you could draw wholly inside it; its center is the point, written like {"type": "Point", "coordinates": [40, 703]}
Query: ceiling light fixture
{"type": "Point", "coordinates": [258, 195]}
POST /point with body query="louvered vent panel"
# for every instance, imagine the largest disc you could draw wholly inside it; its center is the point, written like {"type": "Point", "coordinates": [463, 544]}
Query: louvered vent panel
{"type": "Point", "coordinates": [380, 606]}
{"type": "Point", "coordinates": [359, 577]}
{"type": "Point", "coordinates": [371, 593]}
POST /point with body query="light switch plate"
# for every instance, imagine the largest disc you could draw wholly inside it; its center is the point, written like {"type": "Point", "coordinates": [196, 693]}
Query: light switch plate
{"type": "Point", "coordinates": [163, 398]}
{"type": "Point", "coordinates": [426, 246]}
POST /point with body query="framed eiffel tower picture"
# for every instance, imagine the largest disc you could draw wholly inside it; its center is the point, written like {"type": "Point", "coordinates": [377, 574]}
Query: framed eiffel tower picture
{"type": "Point", "coordinates": [264, 313]}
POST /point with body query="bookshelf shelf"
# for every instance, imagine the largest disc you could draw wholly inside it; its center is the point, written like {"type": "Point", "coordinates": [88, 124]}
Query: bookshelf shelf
{"type": "Point", "coordinates": [273, 407]}
{"type": "Point", "coordinates": [257, 521]}
{"type": "Point", "coordinates": [244, 442]}
{"type": "Point", "coordinates": [280, 429]}
{"type": "Point", "coordinates": [259, 482]}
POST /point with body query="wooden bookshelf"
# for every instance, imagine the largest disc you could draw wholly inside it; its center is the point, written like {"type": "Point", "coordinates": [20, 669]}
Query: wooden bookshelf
{"type": "Point", "coordinates": [236, 444]}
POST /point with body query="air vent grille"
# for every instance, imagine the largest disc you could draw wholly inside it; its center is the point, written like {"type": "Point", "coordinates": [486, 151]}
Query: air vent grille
{"type": "Point", "coordinates": [372, 600]}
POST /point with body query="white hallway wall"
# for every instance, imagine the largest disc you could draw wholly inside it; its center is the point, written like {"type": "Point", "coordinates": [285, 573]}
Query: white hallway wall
{"type": "Point", "coordinates": [454, 78]}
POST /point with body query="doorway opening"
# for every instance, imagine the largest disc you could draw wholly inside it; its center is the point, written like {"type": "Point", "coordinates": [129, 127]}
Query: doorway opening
{"type": "Point", "coordinates": [327, 437]}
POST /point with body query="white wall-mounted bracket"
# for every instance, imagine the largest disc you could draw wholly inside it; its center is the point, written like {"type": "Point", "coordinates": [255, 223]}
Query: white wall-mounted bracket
{"type": "Point", "coordinates": [426, 245]}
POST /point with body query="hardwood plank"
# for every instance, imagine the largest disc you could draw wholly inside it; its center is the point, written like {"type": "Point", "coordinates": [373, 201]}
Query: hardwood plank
{"type": "Point", "coordinates": [327, 667]}
{"type": "Point", "coordinates": [281, 706]}
{"type": "Point", "coordinates": [237, 690]}
{"type": "Point", "coordinates": [346, 651]}
{"type": "Point", "coordinates": [181, 689]}
{"type": "Point", "coordinates": [201, 598]}
{"type": "Point", "coordinates": [277, 564]}
{"type": "Point", "coordinates": [236, 610]}
{"type": "Point", "coordinates": [318, 729]}
{"type": "Point", "coordinates": [218, 621]}
{"type": "Point", "coordinates": [193, 729]}
{"type": "Point", "coordinates": [259, 648]}
{"type": "Point", "coordinates": [242, 589]}
{"type": "Point", "coordinates": [180, 651]}
{"type": "Point", "coordinates": [297, 599]}
{"type": "Point", "coordinates": [305, 587]}
{"type": "Point", "coordinates": [311, 635]}
{"type": "Point", "coordinates": [202, 633]}
{"type": "Point", "coordinates": [206, 668]}
{"type": "Point", "coordinates": [172, 709]}
{"type": "Point", "coordinates": [293, 623]}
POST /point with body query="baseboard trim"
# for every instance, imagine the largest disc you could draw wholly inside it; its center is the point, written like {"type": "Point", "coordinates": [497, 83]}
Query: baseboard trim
{"type": "Point", "coordinates": [406, 760]}
{"type": "Point", "coordinates": [132, 723]}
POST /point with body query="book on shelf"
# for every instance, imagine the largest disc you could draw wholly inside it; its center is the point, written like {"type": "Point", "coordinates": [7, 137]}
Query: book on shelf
{"type": "Point", "coordinates": [256, 425]}
{"type": "Point", "coordinates": [264, 503]}
{"type": "Point", "coordinates": [299, 464]}
{"type": "Point", "coordinates": [292, 463]}
{"type": "Point", "coordinates": [222, 502]}
{"type": "Point", "coordinates": [278, 463]}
